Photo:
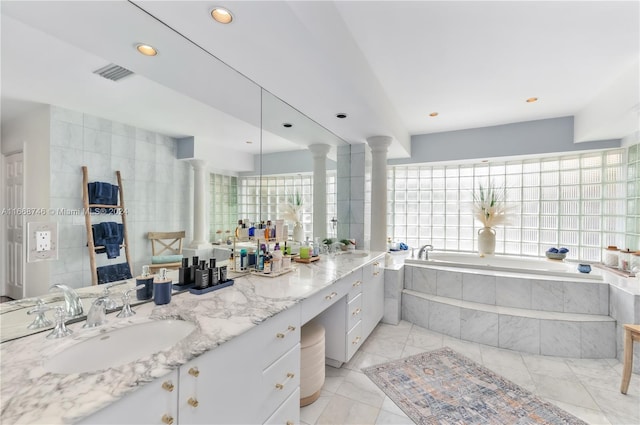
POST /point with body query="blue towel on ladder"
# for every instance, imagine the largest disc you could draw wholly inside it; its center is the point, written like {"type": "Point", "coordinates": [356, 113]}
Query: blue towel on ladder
{"type": "Point", "coordinates": [113, 272]}
{"type": "Point", "coordinates": [103, 193]}
{"type": "Point", "coordinates": [110, 235]}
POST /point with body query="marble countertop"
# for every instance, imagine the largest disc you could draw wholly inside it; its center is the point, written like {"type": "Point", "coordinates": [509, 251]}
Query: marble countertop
{"type": "Point", "coordinates": [31, 395]}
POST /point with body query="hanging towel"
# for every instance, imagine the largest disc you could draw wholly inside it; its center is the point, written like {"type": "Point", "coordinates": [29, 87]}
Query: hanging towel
{"type": "Point", "coordinates": [113, 272]}
{"type": "Point", "coordinates": [103, 193]}
{"type": "Point", "coordinates": [110, 235]}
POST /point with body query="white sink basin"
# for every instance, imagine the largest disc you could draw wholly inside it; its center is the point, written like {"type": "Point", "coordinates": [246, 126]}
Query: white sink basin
{"type": "Point", "coordinates": [120, 346]}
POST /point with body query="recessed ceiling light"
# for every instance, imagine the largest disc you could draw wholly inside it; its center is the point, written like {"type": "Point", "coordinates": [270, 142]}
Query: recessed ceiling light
{"type": "Point", "coordinates": [222, 15]}
{"type": "Point", "coordinates": [147, 50]}
{"type": "Point", "coordinates": [341, 115]}
{"type": "Point", "coordinates": [532, 99]}
{"type": "Point", "coordinates": [286, 124]}
{"type": "Point", "coordinates": [433, 114]}
{"type": "Point", "coordinates": [249, 142]}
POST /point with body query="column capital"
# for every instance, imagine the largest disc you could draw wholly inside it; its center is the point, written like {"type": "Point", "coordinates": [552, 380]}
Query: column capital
{"type": "Point", "coordinates": [198, 164]}
{"type": "Point", "coordinates": [319, 149]}
{"type": "Point", "coordinates": [379, 143]}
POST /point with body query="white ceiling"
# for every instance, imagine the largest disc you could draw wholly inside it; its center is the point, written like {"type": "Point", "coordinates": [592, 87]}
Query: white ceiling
{"type": "Point", "coordinates": [388, 64]}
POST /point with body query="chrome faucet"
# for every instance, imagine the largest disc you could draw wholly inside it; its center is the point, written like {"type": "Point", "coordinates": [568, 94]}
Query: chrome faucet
{"type": "Point", "coordinates": [97, 313]}
{"type": "Point", "coordinates": [73, 303]}
{"type": "Point", "coordinates": [425, 249]}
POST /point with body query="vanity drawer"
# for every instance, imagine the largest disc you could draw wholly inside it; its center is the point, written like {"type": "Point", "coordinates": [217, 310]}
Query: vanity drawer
{"type": "Point", "coordinates": [354, 340]}
{"type": "Point", "coordinates": [354, 311]}
{"type": "Point", "coordinates": [289, 412]}
{"type": "Point", "coordinates": [277, 335]}
{"type": "Point", "coordinates": [355, 284]}
{"type": "Point", "coordinates": [279, 380]}
{"type": "Point", "coordinates": [324, 299]}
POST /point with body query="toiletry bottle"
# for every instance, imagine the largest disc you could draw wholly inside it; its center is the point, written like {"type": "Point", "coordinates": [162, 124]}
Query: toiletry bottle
{"type": "Point", "coordinates": [194, 267]}
{"type": "Point", "coordinates": [243, 259]}
{"type": "Point", "coordinates": [223, 274]}
{"type": "Point", "coordinates": [267, 265]}
{"type": "Point", "coordinates": [202, 275]}
{"type": "Point", "coordinates": [214, 277]}
{"type": "Point", "coordinates": [267, 230]}
{"type": "Point", "coordinates": [238, 227]}
{"type": "Point", "coordinates": [145, 279]}
{"type": "Point", "coordinates": [162, 288]}
{"type": "Point", "coordinates": [260, 261]}
{"type": "Point", "coordinates": [252, 231]}
{"type": "Point", "coordinates": [238, 262]}
{"type": "Point", "coordinates": [184, 272]}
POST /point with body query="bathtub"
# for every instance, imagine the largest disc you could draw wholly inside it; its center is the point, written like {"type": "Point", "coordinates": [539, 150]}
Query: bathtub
{"type": "Point", "coordinates": [534, 266]}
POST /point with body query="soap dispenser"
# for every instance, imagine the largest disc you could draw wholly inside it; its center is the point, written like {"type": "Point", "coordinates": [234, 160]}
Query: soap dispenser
{"type": "Point", "coordinates": [162, 288]}
{"type": "Point", "coordinates": [145, 283]}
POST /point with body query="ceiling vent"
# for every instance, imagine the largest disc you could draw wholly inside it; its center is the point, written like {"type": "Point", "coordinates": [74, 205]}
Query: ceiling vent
{"type": "Point", "coordinates": [113, 72]}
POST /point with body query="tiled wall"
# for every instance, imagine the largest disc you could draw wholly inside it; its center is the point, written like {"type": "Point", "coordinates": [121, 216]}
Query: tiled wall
{"type": "Point", "coordinates": [358, 228]}
{"type": "Point", "coordinates": [157, 187]}
{"type": "Point", "coordinates": [632, 238]}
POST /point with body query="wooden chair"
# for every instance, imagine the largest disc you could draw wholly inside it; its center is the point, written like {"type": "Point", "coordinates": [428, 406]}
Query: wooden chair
{"type": "Point", "coordinates": [165, 243]}
{"type": "Point", "coordinates": [631, 334]}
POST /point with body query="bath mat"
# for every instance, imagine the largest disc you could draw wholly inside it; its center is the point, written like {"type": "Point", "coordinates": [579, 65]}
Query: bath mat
{"type": "Point", "coordinates": [444, 387]}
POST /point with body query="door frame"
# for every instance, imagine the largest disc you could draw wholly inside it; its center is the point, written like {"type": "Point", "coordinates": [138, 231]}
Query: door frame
{"type": "Point", "coordinates": [3, 223]}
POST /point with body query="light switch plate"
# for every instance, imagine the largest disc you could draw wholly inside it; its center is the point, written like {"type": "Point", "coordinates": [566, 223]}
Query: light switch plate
{"type": "Point", "coordinates": [42, 241]}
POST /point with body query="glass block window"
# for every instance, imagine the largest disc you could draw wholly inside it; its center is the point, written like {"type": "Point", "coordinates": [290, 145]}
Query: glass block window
{"type": "Point", "coordinates": [224, 205]}
{"type": "Point", "coordinates": [575, 201]}
{"type": "Point", "coordinates": [633, 198]}
{"type": "Point", "coordinates": [262, 197]}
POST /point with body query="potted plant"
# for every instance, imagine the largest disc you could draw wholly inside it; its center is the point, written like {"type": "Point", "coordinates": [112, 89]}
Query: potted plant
{"type": "Point", "coordinates": [346, 244]}
{"type": "Point", "coordinates": [490, 209]}
{"type": "Point", "coordinates": [292, 211]}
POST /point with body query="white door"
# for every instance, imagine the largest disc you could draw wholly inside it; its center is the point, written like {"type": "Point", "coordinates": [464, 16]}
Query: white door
{"type": "Point", "coordinates": [14, 221]}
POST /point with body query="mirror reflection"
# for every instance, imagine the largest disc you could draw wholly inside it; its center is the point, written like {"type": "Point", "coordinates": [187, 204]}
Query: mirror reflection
{"type": "Point", "coordinates": [153, 126]}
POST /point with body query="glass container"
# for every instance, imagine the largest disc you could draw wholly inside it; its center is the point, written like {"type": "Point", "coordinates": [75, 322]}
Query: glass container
{"type": "Point", "coordinates": [624, 260]}
{"type": "Point", "coordinates": [610, 256]}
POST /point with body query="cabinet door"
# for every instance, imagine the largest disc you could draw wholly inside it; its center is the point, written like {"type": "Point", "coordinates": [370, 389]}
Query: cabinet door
{"type": "Point", "coordinates": [219, 386]}
{"type": "Point", "coordinates": [372, 297]}
{"type": "Point", "coordinates": [153, 403]}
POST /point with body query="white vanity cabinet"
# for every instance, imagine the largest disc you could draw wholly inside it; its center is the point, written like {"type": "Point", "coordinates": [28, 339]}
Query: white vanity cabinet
{"type": "Point", "coordinates": [247, 379]}
{"type": "Point", "coordinates": [152, 403]}
{"type": "Point", "coordinates": [350, 320]}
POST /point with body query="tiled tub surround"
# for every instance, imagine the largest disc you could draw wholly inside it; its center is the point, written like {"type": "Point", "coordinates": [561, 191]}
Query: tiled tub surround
{"type": "Point", "coordinates": [530, 313]}
{"type": "Point", "coordinates": [29, 394]}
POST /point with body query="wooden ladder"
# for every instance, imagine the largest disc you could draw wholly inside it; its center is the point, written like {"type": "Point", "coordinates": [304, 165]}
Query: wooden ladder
{"type": "Point", "coordinates": [122, 212]}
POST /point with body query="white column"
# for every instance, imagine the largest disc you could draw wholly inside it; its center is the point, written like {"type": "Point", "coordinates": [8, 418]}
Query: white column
{"type": "Point", "coordinates": [379, 146]}
{"type": "Point", "coordinates": [200, 239]}
{"type": "Point", "coordinates": [319, 152]}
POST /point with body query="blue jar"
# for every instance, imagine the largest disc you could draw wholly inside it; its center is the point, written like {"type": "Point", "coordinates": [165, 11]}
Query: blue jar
{"type": "Point", "coordinates": [162, 288]}
{"type": "Point", "coordinates": [584, 268]}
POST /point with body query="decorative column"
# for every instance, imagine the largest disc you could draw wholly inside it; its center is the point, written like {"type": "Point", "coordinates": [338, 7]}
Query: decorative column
{"type": "Point", "coordinates": [319, 152]}
{"type": "Point", "coordinates": [200, 239]}
{"type": "Point", "coordinates": [379, 146]}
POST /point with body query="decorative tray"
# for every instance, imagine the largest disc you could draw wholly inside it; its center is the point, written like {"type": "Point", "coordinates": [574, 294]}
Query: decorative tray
{"type": "Point", "coordinates": [306, 260]}
{"type": "Point", "coordinates": [272, 274]}
{"type": "Point", "coordinates": [200, 291]}
{"type": "Point", "coordinates": [182, 287]}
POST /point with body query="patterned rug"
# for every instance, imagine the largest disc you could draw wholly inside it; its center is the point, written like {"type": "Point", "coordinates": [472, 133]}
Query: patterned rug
{"type": "Point", "coordinates": [444, 387]}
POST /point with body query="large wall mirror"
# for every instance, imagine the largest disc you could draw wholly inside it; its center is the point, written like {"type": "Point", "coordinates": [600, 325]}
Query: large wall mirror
{"type": "Point", "coordinates": [182, 103]}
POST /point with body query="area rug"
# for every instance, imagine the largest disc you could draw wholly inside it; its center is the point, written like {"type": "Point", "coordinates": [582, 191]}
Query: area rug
{"type": "Point", "coordinates": [444, 387]}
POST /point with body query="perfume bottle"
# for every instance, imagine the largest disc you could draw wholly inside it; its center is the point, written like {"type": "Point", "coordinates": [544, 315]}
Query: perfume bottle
{"type": "Point", "coordinates": [202, 275]}
{"type": "Point", "coordinates": [184, 272]}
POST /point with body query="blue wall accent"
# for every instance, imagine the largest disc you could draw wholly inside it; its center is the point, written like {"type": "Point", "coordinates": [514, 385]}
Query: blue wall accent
{"type": "Point", "coordinates": [524, 138]}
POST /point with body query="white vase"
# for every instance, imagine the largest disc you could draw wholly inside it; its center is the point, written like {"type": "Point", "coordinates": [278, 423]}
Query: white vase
{"type": "Point", "coordinates": [298, 232]}
{"type": "Point", "coordinates": [486, 241]}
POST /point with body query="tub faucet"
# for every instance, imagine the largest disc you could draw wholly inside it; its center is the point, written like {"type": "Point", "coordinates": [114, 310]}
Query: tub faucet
{"type": "Point", "coordinates": [425, 249]}
{"type": "Point", "coordinates": [73, 303]}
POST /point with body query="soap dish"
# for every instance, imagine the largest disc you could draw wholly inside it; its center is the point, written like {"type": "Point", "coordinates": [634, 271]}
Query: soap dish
{"type": "Point", "coordinates": [200, 291]}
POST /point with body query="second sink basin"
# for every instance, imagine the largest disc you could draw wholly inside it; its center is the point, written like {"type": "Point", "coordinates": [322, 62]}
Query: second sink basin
{"type": "Point", "coordinates": [120, 346]}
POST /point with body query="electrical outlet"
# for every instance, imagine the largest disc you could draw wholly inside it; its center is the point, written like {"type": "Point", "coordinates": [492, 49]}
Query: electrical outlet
{"type": "Point", "coordinates": [43, 241]}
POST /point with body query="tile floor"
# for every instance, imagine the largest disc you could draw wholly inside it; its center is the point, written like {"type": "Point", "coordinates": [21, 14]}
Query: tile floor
{"type": "Point", "coordinates": [589, 389]}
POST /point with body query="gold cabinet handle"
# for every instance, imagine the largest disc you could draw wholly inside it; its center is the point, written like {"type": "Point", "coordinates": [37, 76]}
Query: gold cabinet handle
{"type": "Point", "coordinates": [355, 341]}
{"type": "Point", "coordinates": [194, 371]}
{"type": "Point", "coordinates": [167, 385]}
{"type": "Point", "coordinates": [283, 334]}
{"type": "Point", "coordinates": [356, 283]}
{"type": "Point", "coordinates": [376, 268]}
{"type": "Point", "coordinates": [289, 377]}
{"type": "Point", "coordinates": [331, 296]}
{"type": "Point", "coordinates": [192, 402]}
{"type": "Point", "coordinates": [356, 312]}
{"type": "Point", "coordinates": [167, 419]}
{"type": "Point", "coordinates": [289, 422]}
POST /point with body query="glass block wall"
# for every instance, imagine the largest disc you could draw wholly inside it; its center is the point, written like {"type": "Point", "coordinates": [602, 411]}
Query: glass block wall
{"type": "Point", "coordinates": [262, 197]}
{"type": "Point", "coordinates": [224, 205]}
{"type": "Point", "coordinates": [633, 198]}
{"type": "Point", "coordinates": [575, 201]}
